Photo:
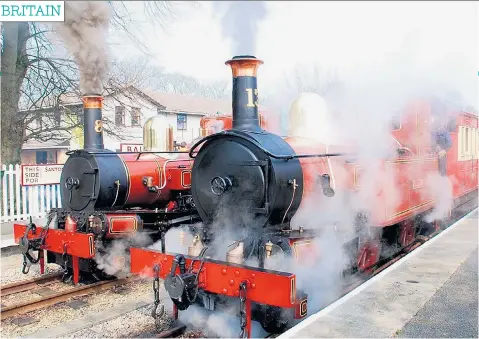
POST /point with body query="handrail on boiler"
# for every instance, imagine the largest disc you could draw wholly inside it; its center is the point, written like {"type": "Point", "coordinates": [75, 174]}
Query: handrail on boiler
{"type": "Point", "coordinates": [254, 142]}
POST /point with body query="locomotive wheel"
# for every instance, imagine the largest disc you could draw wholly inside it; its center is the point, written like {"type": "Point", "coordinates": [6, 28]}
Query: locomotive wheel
{"type": "Point", "coordinates": [100, 275]}
{"type": "Point", "coordinates": [272, 319]}
{"type": "Point", "coordinates": [368, 255]}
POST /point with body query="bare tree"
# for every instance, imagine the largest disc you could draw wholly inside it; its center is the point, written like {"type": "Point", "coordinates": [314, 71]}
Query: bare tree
{"type": "Point", "coordinates": [141, 73]}
{"type": "Point", "coordinates": [34, 78]}
{"type": "Point", "coordinates": [182, 84]}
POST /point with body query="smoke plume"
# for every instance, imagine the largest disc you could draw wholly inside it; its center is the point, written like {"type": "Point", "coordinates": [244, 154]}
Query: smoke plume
{"type": "Point", "coordinates": [239, 21]}
{"type": "Point", "coordinates": [83, 32]}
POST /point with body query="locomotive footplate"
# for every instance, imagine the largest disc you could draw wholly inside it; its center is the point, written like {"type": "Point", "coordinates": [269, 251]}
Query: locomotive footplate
{"type": "Point", "coordinates": [186, 277]}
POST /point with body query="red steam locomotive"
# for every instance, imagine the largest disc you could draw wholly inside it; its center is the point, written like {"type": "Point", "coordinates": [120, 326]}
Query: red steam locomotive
{"type": "Point", "coordinates": [107, 195]}
{"type": "Point", "coordinates": [261, 200]}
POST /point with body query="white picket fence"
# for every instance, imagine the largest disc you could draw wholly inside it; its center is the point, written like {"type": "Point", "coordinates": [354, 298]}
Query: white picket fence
{"type": "Point", "coordinates": [20, 202]}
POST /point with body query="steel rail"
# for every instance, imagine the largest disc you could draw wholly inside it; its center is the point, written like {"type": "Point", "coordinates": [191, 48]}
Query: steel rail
{"type": "Point", "coordinates": [26, 285]}
{"type": "Point", "coordinates": [59, 297]}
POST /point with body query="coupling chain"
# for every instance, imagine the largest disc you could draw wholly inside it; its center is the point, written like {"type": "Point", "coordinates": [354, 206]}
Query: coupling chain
{"type": "Point", "coordinates": [26, 265]}
{"type": "Point", "coordinates": [156, 293]}
{"type": "Point", "coordinates": [242, 297]}
{"type": "Point", "coordinates": [191, 300]}
{"type": "Point", "coordinates": [65, 277]}
{"type": "Point", "coordinates": [47, 227]}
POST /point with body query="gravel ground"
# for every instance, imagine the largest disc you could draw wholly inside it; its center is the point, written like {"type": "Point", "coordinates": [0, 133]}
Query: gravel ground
{"type": "Point", "coordinates": [13, 299]}
{"type": "Point", "coordinates": [130, 325]}
{"type": "Point", "coordinates": [61, 313]}
{"type": "Point", "coordinates": [11, 269]}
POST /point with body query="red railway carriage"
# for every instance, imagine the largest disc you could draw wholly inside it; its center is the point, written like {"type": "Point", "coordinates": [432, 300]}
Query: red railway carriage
{"type": "Point", "coordinates": [218, 122]}
{"type": "Point", "coordinates": [262, 182]}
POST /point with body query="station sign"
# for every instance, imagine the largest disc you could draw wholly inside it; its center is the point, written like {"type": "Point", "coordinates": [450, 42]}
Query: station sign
{"type": "Point", "coordinates": [131, 147]}
{"type": "Point", "coordinates": [33, 175]}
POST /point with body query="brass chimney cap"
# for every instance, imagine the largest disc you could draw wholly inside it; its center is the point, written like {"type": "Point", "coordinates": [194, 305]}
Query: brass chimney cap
{"type": "Point", "coordinates": [244, 65]}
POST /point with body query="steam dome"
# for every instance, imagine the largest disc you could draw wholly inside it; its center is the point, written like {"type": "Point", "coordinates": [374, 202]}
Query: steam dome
{"type": "Point", "coordinates": [157, 135]}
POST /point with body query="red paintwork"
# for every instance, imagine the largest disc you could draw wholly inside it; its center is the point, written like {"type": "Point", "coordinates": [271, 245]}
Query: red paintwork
{"type": "Point", "coordinates": [210, 124]}
{"type": "Point", "coordinates": [42, 261]}
{"type": "Point", "coordinates": [271, 288]}
{"type": "Point", "coordinates": [168, 174]}
{"type": "Point", "coordinates": [76, 270]}
{"type": "Point", "coordinates": [368, 255]}
{"type": "Point", "coordinates": [117, 225]}
{"type": "Point", "coordinates": [401, 187]}
{"type": "Point", "coordinates": [304, 249]}
{"type": "Point", "coordinates": [407, 233]}
{"type": "Point", "coordinates": [77, 244]}
{"type": "Point", "coordinates": [301, 309]}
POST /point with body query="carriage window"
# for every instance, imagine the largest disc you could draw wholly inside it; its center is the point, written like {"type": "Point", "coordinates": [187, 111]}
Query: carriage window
{"type": "Point", "coordinates": [474, 143]}
{"type": "Point", "coordinates": [395, 124]}
{"type": "Point", "coordinates": [466, 140]}
{"type": "Point", "coordinates": [477, 143]}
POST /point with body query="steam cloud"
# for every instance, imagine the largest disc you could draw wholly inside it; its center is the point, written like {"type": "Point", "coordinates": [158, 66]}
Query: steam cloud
{"type": "Point", "coordinates": [114, 259]}
{"type": "Point", "coordinates": [83, 33]}
{"type": "Point", "coordinates": [240, 21]}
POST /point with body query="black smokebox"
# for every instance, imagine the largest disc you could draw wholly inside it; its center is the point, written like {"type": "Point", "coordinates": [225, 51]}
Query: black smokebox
{"type": "Point", "coordinates": [245, 92]}
{"type": "Point", "coordinates": [93, 124]}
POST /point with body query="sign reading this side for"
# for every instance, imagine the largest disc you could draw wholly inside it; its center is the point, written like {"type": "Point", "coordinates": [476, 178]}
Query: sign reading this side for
{"type": "Point", "coordinates": [33, 175]}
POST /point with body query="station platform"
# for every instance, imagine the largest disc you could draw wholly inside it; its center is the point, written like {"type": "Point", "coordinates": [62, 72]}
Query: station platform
{"type": "Point", "coordinates": [431, 292]}
{"type": "Point", "coordinates": [6, 231]}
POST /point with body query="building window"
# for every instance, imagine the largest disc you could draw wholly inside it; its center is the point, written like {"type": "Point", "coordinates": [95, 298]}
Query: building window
{"type": "Point", "coordinates": [181, 122]}
{"type": "Point", "coordinates": [135, 116]}
{"type": "Point", "coordinates": [119, 115]}
{"type": "Point", "coordinates": [57, 116]}
{"type": "Point", "coordinates": [45, 157]}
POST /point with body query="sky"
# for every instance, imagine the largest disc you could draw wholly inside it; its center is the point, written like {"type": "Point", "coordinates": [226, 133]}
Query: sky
{"type": "Point", "coordinates": [439, 39]}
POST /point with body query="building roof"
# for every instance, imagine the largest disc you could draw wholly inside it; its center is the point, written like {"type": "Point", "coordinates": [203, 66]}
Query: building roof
{"type": "Point", "coordinates": [177, 103]}
{"type": "Point", "coordinates": [33, 144]}
{"type": "Point", "coordinates": [171, 102]}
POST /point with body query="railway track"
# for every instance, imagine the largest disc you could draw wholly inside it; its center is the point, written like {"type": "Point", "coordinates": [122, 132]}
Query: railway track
{"type": "Point", "coordinates": [27, 285]}
{"type": "Point", "coordinates": [56, 298]}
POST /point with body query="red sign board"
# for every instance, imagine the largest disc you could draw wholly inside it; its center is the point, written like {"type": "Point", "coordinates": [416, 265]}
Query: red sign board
{"type": "Point", "coordinates": [131, 147]}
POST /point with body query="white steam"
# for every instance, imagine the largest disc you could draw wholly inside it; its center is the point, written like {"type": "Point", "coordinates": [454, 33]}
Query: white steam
{"type": "Point", "coordinates": [239, 22]}
{"type": "Point", "coordinates": [114, 259]}
{"type": "Point", "coordinates": [214, 126]}
{"type": "Point", "coordinates": [83, 33]}
{"type": "Point", "coordinates": [441, 190]}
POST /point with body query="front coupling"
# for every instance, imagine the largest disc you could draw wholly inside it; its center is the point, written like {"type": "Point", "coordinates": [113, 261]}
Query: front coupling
{"type": "Point", "coordinates": [180, 286]}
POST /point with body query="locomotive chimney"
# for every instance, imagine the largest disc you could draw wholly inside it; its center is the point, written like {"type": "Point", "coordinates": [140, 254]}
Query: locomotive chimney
{"type": "Point", "coordinates": [93, 125]}
{"type": "Point", "coordinates": [245, 92]}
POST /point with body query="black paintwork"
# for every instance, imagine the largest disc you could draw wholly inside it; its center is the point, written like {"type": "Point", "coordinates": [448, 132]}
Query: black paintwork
{"type": "Point", "coordinates": [94, 177]}
{"type": "Point", "coordinates": [261, 187]}
{"type": "Point", "coordinates": [93, 138]}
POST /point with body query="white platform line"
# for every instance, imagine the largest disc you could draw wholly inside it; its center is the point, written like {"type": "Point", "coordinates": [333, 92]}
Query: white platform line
{"type": "Point", "coordinates": [313, 317]}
